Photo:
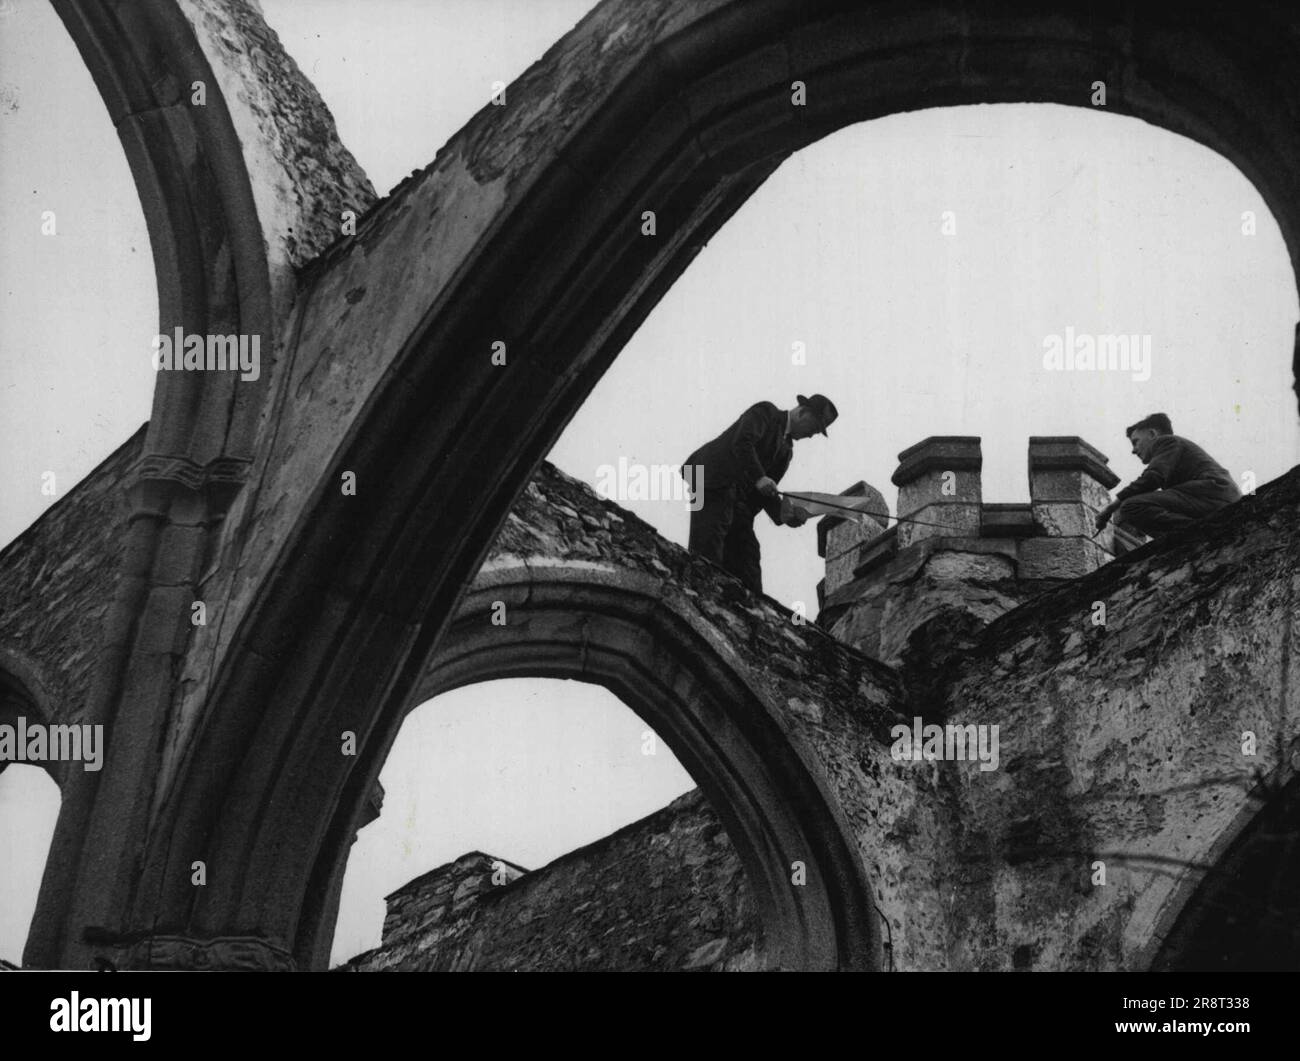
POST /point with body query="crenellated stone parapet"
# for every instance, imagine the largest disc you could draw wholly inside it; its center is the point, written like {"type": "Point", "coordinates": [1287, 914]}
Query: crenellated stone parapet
{"type": "Point", "coordinates": [962, 553]}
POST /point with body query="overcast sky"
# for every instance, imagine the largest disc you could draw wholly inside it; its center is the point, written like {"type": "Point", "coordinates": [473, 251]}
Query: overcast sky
{"type": "Point", "coordinates": [1064, 218]}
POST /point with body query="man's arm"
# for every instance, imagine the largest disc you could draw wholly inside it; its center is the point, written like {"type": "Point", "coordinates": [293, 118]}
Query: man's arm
{"type": "Point", "coordinates": [1163, 461]}
{"type": "Point", "coordinates": [1164, 458]}
{"type": "Point", "coordinates": [772, 505]}
{"type": "Point", "coordinates": [744, 443]}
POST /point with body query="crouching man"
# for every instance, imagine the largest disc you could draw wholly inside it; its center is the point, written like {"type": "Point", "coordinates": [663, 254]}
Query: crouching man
{"type": "Point", "coordinates": [1181, 484]}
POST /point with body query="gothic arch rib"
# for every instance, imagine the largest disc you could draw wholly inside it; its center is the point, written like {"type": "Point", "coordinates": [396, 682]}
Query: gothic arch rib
{"type": "Point", "coordinates": [207, 242]}
{"type": "Point", "coordinates": [211, 271]}
{"type": "Point", "coordinates": [241, 178]}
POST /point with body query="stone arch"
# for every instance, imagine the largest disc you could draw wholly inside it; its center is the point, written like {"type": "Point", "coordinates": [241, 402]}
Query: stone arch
{"type": "Point", "coordinates": [613, 627]}
{"type": "Point", "coordinates": [690, 111]}
{"type": "Point", "coordinates": [223, 184]}
{"type": "Point", "coordinates": [209, 257]}
{"type": "Point", "coordinates": [1241, 914]}
{"type": "Point", "coordinates": [212, 277]}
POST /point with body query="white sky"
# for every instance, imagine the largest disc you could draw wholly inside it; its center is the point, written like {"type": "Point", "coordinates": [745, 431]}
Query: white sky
{"type": "Point", "coordinates": [1065, 217]}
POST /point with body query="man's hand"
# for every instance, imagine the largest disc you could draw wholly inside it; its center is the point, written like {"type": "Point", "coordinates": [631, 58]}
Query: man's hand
{"type": "Point", "coordinates": [767, 488]}
{"type": "Point", "coordinates": [798, 517]}
{"type": "Point", "coordinates": [1103, 517]}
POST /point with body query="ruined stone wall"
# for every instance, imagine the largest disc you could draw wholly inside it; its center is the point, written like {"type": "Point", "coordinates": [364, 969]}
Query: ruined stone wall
{"type": "Point", "coordinates": [302, 175]}
{"type": "Point", "coordinates": [1119, 743]}
{"type": "Point", "coordinates": [664, 893]}
{"type": "Point", "coordinates": [835, 705]}
{"type": "Point", "coordinates": [1124, 743]}
{"type": "Point", "coordinates": [57, 582]}
{"type": "Point", "coordinates": [303, 179]}
{"type": "Point", "coordinates": [444, 893]}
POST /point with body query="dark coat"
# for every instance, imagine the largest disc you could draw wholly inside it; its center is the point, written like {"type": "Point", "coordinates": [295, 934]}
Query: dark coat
{"type": "Point", "coordinates": [1176, 461]}
{"type": "Point", "coordinates": [753, 447]}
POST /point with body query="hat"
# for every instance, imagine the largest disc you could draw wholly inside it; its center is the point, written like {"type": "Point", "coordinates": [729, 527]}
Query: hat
{"type": "Point", "coordinates": [823, 408]}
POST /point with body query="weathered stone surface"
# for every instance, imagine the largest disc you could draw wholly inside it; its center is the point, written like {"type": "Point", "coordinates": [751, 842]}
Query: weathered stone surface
{"type": "Point", "coordinates": [57, 584]}
{"type": "Point", "coordinates": [1003, 520]}
{"type": "Point", "coordinates": [1068, 486]}
{"type": "Point", "coordinates": [1075, 557]}
{"type": "Point", "coordinates": [1118, 744]}
{"type": "Point", "coordinates": [939, 485]}
{"type": "Point", "coordinates": [882, 620]}
{"type": "Point", "coordinates": [1062, 519]}
{"type": "Point", "coordinates": [302, 176]}
{"type": "Point", "coordinates": [938, 453]}
{"type": "Point", "coordinates": [568, 549]}
{"type": "Point", "coordinates": [953, 517]}
{"type": "Point", "coordinates": [984, 557]}
{"type": "Point", "coordinates": [1051, 455]}
{"type": "Point", "coordinates": [1122, 743]}
{"type": "Point", "coordinates": [1069, 483]}
{"type": "Point", "coordinates": [934, 849]}
{"type": "Point", "coordinates": [841, 541]}
{"type": "Point", "coordinates": [876, 503]}
{"type": "Point", "coordinates": [878, 612]}
{"type": "Point", "coordinates": [448, 890]}
{"type": "Point", "coordinates": [666, 892]}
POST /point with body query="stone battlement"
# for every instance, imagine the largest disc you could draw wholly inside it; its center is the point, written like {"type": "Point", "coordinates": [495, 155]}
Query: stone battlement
{"type": "Point", "coordinates": [964, 553]}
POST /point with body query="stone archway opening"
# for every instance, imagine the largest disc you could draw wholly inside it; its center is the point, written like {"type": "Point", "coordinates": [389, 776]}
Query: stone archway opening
{"type": "Point", "coordinates": [541, 824]}
{"type": "Point", "coordinates": [612, 627]}
{"type": "Point", "coordinates": [1243, 914]}
{"type": "Point", "coordinates": [29, 807]}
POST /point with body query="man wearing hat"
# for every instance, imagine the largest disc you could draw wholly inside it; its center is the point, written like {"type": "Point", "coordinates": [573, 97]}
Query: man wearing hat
{"type": "Point", "coordinates": [736, 474]}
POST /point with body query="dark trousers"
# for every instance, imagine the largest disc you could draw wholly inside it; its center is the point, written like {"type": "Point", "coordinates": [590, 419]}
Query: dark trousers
{"type": "Point", "coordinates": [722, 529]}
{"type": "Point", "coordinates": [1162, 511]}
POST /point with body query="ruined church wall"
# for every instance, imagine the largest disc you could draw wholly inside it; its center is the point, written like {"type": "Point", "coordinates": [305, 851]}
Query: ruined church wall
{"type": "Point", "coordinates": [57, 583]}
{"type": "Point", "coordinates": [664, 893]}
{"type": "Point", "coordinates": [303, 178]}
{"type": "Point", "coordinates": [835, 705]}
{"type": "Point", "coordinates": [1122, 743]}
{"type": "Point", "coordinates": [1119, 743]}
